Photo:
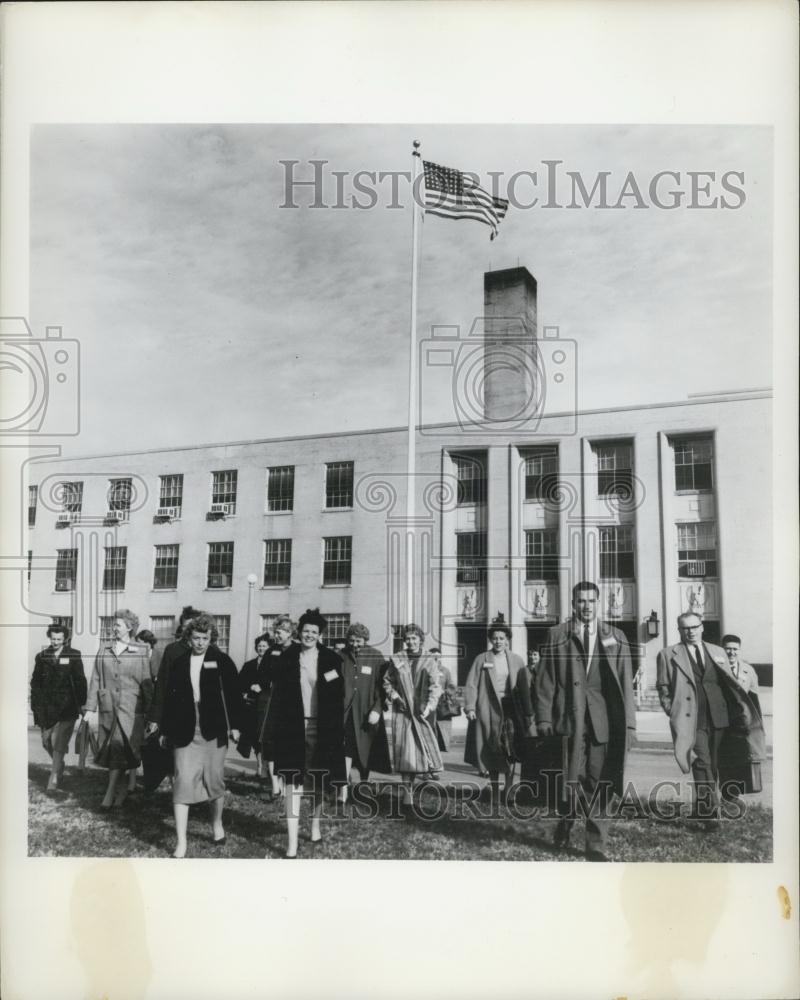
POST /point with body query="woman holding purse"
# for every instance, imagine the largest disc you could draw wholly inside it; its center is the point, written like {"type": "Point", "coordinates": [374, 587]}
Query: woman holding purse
{"type": "Point", "coordinates": [197, 707]}
{"type": "Point", "coordinates": [120, 693]}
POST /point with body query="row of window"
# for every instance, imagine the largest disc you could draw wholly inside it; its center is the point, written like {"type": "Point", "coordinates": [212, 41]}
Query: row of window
{"type": "Point", "coordinates": [337, 562]}
{"type": "Point", "coordinates": [224, 489]}
{"type": "Point", "coordinates": [693, 471]}
{"type": "Point", "coordinates": [696, 546]}
{"type": "Point", "coordinates": [696, 552]}
{"type": "Point", "coordinates": [693, 458]}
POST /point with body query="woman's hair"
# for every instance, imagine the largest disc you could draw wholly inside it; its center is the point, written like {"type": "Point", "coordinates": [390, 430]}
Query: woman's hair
{"type": "Point", "coordinates": [312, 617]}
{"type": "Point", "coordinates": [187, 613]}
{"type": "Point", "coordinates": [261, 638]}
{"type": "Point", "coordinates": [130, 619]}
{"type": "Point", "coordinates": [411, 628]}
{"type": "Point", "coordinates": [283, 621]}
{"type": "Point", "coordinates": [202, 623]}
{"type": "Point", "coordinates": [147, 636]}
{"type": "Point", "coordinates": [359, 631]}
{"type": "Point", "coordinates": [499, 625]}
{"type": "Point", "coordinates": [55, 627]}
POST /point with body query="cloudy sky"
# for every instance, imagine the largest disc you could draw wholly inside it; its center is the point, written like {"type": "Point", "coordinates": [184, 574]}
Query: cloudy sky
{"type": "Point", "coordinates": [206, 312]}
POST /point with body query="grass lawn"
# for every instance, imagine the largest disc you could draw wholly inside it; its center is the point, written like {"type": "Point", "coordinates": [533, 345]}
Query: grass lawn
{"type": "Point", "coordinates": [69, 823]}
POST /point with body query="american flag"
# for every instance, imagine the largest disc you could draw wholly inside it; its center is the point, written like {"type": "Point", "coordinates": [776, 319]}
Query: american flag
{"type": "Point", "coordinates": [453, 195]}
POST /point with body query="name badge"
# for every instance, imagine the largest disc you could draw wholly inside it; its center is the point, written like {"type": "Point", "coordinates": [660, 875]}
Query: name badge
{"type": "Point", "coordinates": [330, 675]}
{"type": "Point", "coordinates": [720, 659]}
{"type": "Point", "coordinates": [366, 670]}
{"type": "Point", "coordinates": [64, 660]}
{"type": "Point", "coordinates": [210, 664]}
{"type": "Point", "coordinates": [488, 666]}
{"type": "Point", "coordinates": [608, 640]}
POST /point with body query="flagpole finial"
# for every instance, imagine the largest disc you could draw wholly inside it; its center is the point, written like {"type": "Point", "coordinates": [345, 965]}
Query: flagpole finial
{"type": "Point", "coordinates": [416, 145]}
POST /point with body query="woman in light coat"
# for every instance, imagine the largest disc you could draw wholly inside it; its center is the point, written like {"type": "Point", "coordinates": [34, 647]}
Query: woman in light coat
{"type": "Point", "coordinates": [411, 683]}
{"type": "Point", "coordinates": [497, 690]}
{"type": "Point", "coordinates": [120, 692]}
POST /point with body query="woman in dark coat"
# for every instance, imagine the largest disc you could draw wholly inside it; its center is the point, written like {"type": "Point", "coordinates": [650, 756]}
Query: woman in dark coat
{"type": "Point", "coordinates": [365, 742]}
{"type": "Point", "coordinates": [250, 689]}
{"type": "Point", "coordinates": [197, 707]}
{"type": "Point", "coordinates": [497, 690]}
{"type": "Point", "coordinates": [308, 707]}
{"type": "Point", "coordinates": [283, 630]}
{"type": "Point", "coordinates": [120, 693]}
{"type": "Point", "coordinates": [58, 691]}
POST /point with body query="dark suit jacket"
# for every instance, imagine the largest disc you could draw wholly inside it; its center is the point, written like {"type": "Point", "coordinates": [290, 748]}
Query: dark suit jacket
{"type": "Point", "coordinates": [58, 686]}
{"type": "Point", "coordinates": [561, 696]}
{"type": "Point", "coordinates": [176, 708]}
{"type": "Point", "coordinates": [287, 710]}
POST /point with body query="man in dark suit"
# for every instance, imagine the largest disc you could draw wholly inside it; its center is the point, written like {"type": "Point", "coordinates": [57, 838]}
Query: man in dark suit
{"type": "Point", "coordinates": [584, 693]}
{"type": "Point", "coordinates": [704, 699]}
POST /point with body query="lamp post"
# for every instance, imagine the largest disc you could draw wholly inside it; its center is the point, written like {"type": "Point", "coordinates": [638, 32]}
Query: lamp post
{"type": "Point", "coordinates": [252, 580]}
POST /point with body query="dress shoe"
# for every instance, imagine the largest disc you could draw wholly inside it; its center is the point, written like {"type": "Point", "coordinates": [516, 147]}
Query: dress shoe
{"type": "Point", "coordinates": [596, 856]}
{"type": "Point", "coordinates": [220, 842]}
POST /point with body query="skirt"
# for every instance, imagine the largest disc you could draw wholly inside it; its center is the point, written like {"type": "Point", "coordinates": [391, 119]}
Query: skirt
{"type": "Point", "coordinates": [199, 771]}
{"type": "Point", "coordinates": [56, 738]}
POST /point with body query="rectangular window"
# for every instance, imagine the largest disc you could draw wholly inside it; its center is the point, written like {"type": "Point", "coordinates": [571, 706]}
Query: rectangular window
{"type": "Point", "coordinates": [71, 497]}
{"type": "Point", "coordinates": [163, 627]}
{"type": "Point", "coordinates": [338, 484]}
{"type": "Point", "coordinates": [33, 496]}
{"type": "Point", "coordinates": [114, 569]}
{"type": "Point", "coordinates": [220, 565]}
{"type": "Point", "coordinates": [697, 549]}
{"type": "Point", "coordinates": [471, 479]}
{"type": "Point", "coordinates": [338, 559]}
{"type": "Point", "coordinates": [280, 488]}
{"type": "Point", "coordinates": [171, 491]}
{"type": "Point", "coordinates": [223, 624]}
{"type": "Point", "coordinates": [617, 553]}
{"type": "Point", "coordinates": [471, 557]}
{"type": "Point", "coordinates": [694, 458]}
{"type": "Point", "coordinates": [277, 562]}
{"type": "Point", "coordinates": [541, 474]}
{"type": "Point", "coordinates": [66, 568]}
{"type": "Point", "coordinates": [337, 628]}
{"type": "Point", "coordinates": [266, 622]}
{"type": "Point", "coordinates": [614, 469]}
{"type": "Point", "coordinates": [120, 493]}
{"type": "Point", "coordinates": [106, 627]}
{"type": "Point", "coordinates": [223, 491]}
{"type": "Point", "coordinates": [541, 555]}
{"type": "Point", "coordinates": [165, 573]}
{"type": "Point", "coordinates": [64, 620]}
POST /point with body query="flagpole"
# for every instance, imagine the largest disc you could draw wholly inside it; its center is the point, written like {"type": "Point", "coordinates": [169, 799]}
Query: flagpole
{"type": "Point", "coordinates": [412, 392]}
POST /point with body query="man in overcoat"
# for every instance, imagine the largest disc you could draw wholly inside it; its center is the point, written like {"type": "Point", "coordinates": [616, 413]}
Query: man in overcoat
{"type": "Point", "coordinates": [584, 693]}
{"type": "Point", "coordinates": [365, 742]}
{"type": "Point", "coordinates": [705, 701]}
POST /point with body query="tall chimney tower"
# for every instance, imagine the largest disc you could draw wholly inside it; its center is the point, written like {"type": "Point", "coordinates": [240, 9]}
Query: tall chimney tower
{"type": "Point", "coordinates": [509, 298]}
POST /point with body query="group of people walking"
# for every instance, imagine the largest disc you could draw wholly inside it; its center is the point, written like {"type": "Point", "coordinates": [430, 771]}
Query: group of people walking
{"type": "Point", "coordinates": [311, 714]}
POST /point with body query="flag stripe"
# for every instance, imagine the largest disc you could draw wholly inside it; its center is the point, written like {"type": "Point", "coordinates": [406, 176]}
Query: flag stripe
{"type": "Point", "coordinates": [451, 194]}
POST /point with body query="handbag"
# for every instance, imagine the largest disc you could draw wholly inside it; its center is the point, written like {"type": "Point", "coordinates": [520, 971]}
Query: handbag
{"type": "Point", "coordinates": [448, 706]}
{"type": "Point", "coordinates": [85, 740]}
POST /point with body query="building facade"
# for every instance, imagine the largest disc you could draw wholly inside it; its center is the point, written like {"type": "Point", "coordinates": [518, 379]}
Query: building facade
{"type": "Point", "coordinates": [666, 506]}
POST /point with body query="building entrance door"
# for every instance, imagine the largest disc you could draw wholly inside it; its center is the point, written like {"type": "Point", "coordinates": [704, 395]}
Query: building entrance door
{"type": "Point", "coordinates": [471, 640]}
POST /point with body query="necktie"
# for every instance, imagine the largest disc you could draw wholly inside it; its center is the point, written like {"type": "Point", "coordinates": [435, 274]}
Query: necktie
{"type": "Point", "coordinates": [586, 645]}
{"type": "Point", "coordinates": [698, 656]}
